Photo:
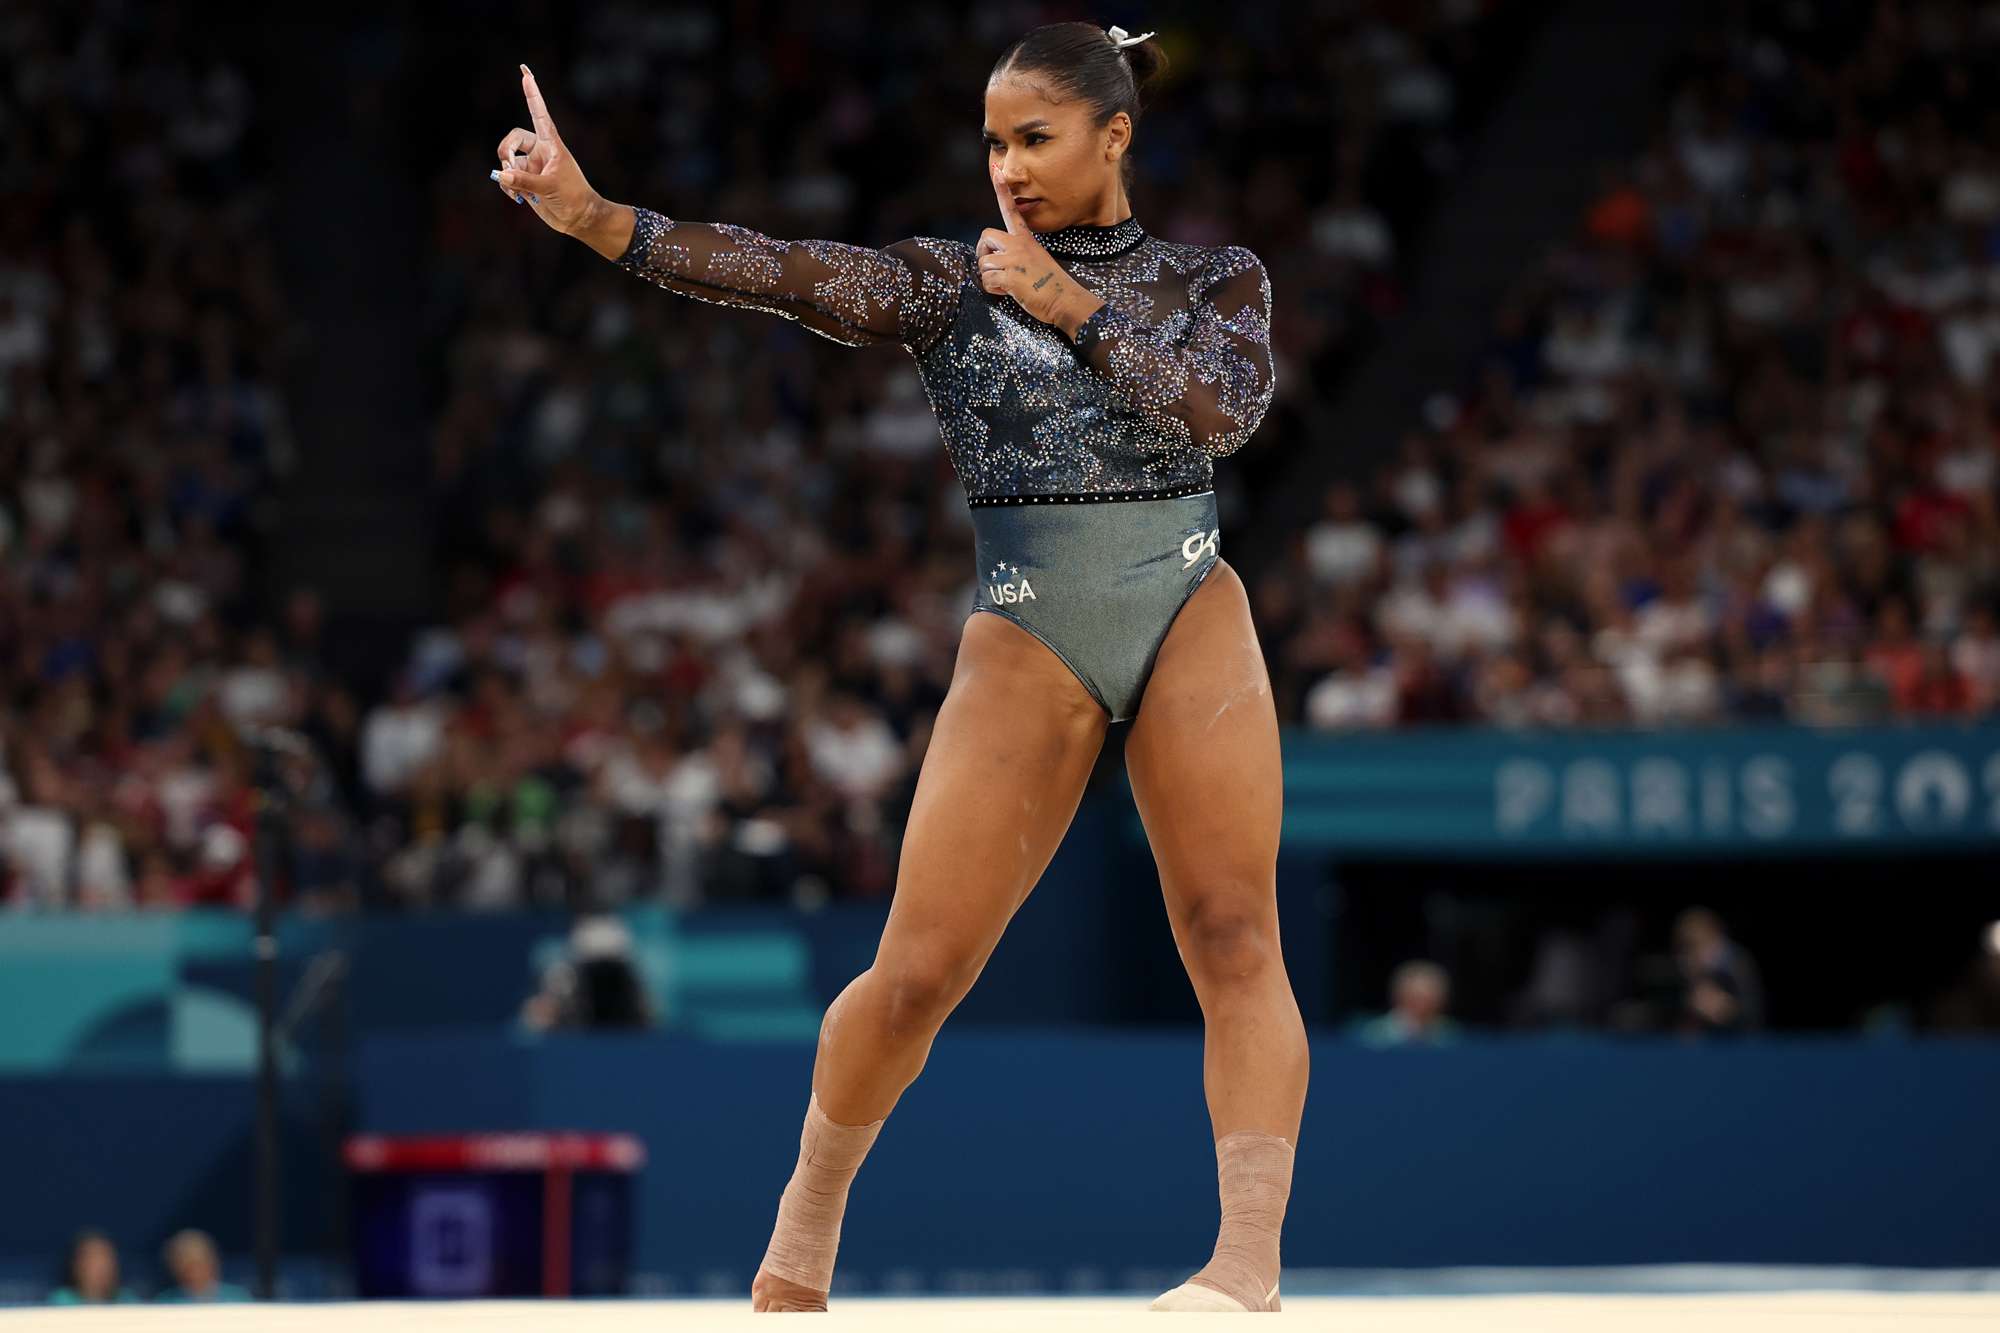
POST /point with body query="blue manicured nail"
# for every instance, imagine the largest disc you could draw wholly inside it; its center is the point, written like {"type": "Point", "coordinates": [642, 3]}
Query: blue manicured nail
{"type": "Point", "coordinates": [493, 175]}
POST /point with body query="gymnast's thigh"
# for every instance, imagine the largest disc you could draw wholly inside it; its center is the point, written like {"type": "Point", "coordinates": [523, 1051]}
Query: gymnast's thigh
{"type": "Point", "coordinates": [1203, 758]}
{"type": "Point", "coordinates": [1013, 744]}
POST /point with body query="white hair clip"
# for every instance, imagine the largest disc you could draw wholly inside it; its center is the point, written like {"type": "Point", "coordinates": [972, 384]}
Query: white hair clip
{"type": "Point", "coordinates": [1121, 41]}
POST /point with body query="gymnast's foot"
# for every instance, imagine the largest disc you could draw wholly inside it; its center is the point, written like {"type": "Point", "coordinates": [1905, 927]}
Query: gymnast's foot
{"type": "Point", "coordinates": [1195, 1294]}
{"type": "Point", "coordinates": [797, 1270]}
{"type": "Point", "coordinates": [769, 1292]}
{"type": "Point", "coordinates": [1254, 1171]}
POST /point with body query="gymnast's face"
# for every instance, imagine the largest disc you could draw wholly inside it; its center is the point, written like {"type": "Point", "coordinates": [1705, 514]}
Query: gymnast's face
{"type": "Point", "coordinates": [1051, 154]}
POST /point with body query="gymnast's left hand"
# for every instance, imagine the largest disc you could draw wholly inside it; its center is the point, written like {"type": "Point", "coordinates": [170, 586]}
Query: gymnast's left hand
{"type": "Point", "coordinates": [536, 164]}
{"type": "Point", "coordinates": [1013, 263]}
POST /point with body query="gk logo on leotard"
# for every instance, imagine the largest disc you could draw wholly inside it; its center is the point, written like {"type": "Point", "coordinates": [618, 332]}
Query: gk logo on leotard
{"type": "Point", "coordinates": [1007, 585]}
{"type": "Point", "coordinates": [1197, 545]}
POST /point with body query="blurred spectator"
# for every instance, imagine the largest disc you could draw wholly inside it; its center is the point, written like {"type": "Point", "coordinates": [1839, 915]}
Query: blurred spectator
{"type": "Point", "coordinates": [1419, 993]}
{"type": "Point", "coordinates": [1565, 983]}
{"type": "Point", "coordinates": [197, 1271]}
{"type": "Point", "coordinates": [595, 984]}
{"type": "Point", "coordinates": [1971, 1003]}
{"type": "Point", "coordinates": [1976, 656]}
{"type": "Point", "coordinates": [91, 1276]}
{"type": "Point", "coordinates": [1344, 547]}
{"type": "Point", "coordinates": [1720, 991]}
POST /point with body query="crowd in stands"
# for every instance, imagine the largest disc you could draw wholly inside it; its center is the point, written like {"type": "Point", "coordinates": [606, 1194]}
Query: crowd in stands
{"type": "Point", "coordinates": [142, 323]}
{"type": "Point", "coordinates": [710, 570]}
{"type": "Point", "coordinates": [1734, 450]}
{"type": "Point", "coordinates": [1731, 456]}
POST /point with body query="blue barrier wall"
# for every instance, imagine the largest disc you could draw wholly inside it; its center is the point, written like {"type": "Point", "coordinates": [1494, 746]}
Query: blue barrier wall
{"type": "Point", "coordinates": [1050, 1160]}
{"type": "Point", "coordinates": [142, 1156]}
{"type": "Point", "coordinates": [1530, 1152]}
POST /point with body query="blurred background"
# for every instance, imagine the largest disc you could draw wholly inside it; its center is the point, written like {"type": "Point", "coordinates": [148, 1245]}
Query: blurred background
{"type": "Point", "coordinates": [552, 656]}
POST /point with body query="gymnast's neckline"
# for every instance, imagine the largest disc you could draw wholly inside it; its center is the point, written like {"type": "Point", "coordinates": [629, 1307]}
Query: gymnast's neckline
{"type": "Point", "coordinates": [1083, 240]}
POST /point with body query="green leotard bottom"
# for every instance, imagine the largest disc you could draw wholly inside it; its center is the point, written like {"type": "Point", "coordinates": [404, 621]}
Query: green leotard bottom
{"type": "Point", "coordinates": [1098, 581]}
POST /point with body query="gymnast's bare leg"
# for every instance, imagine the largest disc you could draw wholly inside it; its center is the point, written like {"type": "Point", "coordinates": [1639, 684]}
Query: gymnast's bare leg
{"type": "Point", "coordinates": [1014, 742]}
{"type": "Point", "coordinates": [1203, 759]}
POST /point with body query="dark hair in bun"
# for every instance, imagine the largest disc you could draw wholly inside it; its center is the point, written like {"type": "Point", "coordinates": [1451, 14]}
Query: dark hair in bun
{"type": "Point", "coordinates": [1081, 60]}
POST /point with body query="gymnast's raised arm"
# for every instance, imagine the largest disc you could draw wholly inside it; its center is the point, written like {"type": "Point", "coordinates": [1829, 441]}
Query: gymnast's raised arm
{"type": "Point", "coordinates": [905, 293]}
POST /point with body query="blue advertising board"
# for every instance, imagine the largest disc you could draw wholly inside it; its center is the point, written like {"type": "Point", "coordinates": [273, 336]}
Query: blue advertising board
{"type": "Point", "coordinates": [1792, 790]}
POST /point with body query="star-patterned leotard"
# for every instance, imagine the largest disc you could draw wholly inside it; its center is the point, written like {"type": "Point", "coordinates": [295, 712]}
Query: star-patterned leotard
{"type": "Point", "coordinates": [1173, 371]}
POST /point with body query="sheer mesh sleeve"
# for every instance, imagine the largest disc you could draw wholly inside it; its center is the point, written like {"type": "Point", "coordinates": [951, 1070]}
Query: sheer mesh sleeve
{"type": "Point", "coordinates": [907, 292]}
{"type": "Point", "coordinates": [1211, 385]}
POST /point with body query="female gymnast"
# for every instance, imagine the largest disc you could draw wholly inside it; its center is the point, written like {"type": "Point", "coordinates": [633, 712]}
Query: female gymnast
{"type": "Point", "coordinates": [1085, 374]}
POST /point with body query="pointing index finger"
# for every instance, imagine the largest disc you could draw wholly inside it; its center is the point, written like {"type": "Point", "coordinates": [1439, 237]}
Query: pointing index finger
{"type": "Point", "coordinates": [545, 128]}
{"type": "Point", "coordinates": [1016, 224]}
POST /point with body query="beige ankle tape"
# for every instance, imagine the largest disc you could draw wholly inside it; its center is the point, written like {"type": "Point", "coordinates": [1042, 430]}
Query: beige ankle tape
{"type": "Point", "coordinates": [808, 1230]}
{"type": "Point", "coordinates": [1255, 1172]}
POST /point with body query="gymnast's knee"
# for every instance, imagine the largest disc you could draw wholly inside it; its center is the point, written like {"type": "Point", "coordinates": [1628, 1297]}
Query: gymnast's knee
{"type": "Point", "coordinates": [1229, 939]}
{"type": "Point", "coordinates": [920, 987]}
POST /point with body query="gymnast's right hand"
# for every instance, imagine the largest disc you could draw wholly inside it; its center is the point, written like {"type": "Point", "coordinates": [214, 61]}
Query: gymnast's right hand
{"type": "Point", "coordinates": [548, 177]}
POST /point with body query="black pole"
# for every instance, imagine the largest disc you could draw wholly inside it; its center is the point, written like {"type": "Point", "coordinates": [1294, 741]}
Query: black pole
{"type": "Point", "coordinates": [270, 824]}
{"type": "Point", "coordinates": [338, 1217]}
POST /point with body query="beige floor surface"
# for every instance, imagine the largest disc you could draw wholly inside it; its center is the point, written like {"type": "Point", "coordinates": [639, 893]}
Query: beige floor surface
{"type": "Point", "coordinates": [1804, 1311]}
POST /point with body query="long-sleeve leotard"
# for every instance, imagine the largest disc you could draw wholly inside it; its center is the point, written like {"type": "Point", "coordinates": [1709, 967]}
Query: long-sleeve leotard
{"type": "Point", "coordinates": [850, 293]}
{"type": "Point", "coordinates": [1174, 371]}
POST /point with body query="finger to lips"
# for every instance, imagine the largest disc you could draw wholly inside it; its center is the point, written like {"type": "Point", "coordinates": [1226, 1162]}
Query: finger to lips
{"type": "Point", "coordinates": [1011, 215]}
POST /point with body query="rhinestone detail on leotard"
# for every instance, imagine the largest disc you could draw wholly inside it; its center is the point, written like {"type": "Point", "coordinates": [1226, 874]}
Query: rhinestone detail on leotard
{"type": "Point", "coordinates": [1085, 241]}
{"type": "Point", "coordinates": [1087, 497]}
